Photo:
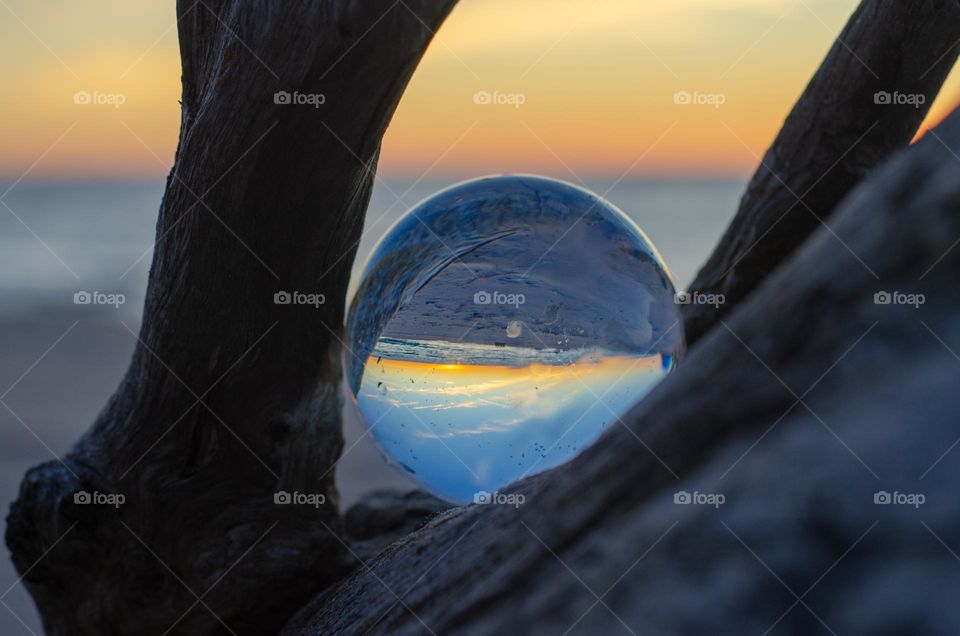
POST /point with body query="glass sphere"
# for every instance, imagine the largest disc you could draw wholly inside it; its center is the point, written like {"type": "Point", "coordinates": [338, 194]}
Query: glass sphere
{"type": "Point", "coordinates": [500, 326]}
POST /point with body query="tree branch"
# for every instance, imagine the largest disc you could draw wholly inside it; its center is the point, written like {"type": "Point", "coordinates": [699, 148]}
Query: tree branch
{"type": "Point", "coordinates": [836, 133]}
{"type": "Point", "coordinates": [231, 397]}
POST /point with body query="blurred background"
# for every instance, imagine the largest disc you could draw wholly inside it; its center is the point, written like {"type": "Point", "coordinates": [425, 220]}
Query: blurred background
{"type": "Point", "coordinates": [594, 92]}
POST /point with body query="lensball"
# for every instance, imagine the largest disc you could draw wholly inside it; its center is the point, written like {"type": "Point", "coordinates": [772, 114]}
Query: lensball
{"type": "Point", "coordinates": [500, 326]}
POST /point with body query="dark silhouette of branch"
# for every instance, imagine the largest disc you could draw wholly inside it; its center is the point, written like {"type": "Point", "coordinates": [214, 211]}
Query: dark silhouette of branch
{"type": "Point", "coordinates": [865, 102]}
{"type": "Point", "coordinates": [231, 397]}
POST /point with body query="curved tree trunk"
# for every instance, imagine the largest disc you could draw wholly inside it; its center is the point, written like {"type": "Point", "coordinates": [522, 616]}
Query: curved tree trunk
{"type": "Point", "coordinates": [231, 397]}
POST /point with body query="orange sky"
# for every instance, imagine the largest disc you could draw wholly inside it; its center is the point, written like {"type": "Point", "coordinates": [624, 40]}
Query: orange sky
{"type": "Point", "coordinates": [517, 392]}
{"type": "Point", "coordinates": [597, 80]}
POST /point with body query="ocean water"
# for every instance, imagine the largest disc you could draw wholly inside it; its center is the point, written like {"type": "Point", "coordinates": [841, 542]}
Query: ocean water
{"type": "Point", "coordinates": [58, 238]}
{"type": "Point", "coordinates": [60, 361]}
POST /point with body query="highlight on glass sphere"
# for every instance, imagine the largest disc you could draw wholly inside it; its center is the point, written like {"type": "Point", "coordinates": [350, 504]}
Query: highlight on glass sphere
{"type": "Point", "coordinates": [500, 326]}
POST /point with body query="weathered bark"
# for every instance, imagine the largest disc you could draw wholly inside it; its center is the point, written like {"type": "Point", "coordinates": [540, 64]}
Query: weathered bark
{"type": "Point", "coordinates": [230, 397]}
{"type": "Point", "coordinates": [836, 133]}
{"type": "Point", "coordinates": [809, 400]}
{"type": "Point", "coordinates": [382, 517]}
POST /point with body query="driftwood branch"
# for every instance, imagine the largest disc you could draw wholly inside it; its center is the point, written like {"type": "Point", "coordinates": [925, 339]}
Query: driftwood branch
{"type": "Point", "coordinates": [231, 397]}
{"type": "Point", "coordinates": [847, 122]}
{"type": "Point", "coordinates": [808, 402]}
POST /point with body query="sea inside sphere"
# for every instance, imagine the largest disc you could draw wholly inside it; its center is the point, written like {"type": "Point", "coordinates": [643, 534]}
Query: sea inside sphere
{"type": "Point", "coordinates": [500, 326]}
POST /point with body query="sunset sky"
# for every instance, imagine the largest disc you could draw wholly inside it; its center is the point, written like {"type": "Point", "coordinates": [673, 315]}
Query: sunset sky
{"type": "Point", "coordinates": [596, 77]}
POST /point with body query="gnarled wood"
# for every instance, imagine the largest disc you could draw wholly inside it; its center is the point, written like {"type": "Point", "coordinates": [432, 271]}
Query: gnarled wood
{"type": "Point", "coordinates": [231, 397]}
